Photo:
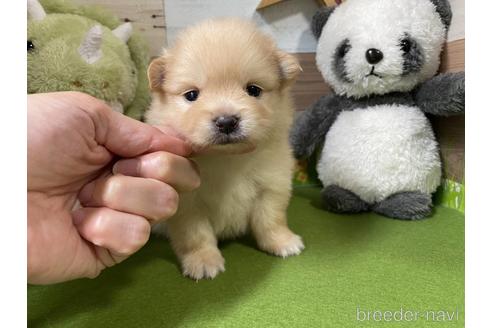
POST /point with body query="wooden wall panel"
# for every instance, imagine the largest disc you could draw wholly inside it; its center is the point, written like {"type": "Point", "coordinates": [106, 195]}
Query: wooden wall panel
{"type": "Point", "coordinates": [267, 3]}
{"type": "Point", "coordinates": [310, 84]}
{"type": "Point", "coordinates": [450, 131]}
{"type": "Point", "coordinates": [453, 57]}
{"type": "Point", "coordinates": [146, 16]}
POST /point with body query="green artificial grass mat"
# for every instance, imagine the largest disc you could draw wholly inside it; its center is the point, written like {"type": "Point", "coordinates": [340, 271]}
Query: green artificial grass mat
{"type": "Point", "coordinates": [351, 262]}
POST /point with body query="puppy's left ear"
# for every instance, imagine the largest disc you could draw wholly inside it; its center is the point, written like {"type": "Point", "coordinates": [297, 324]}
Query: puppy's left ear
{"type": "Point", "coordinates": [289, 68]}
{"type": "Point", "coordinates": [156, 73]}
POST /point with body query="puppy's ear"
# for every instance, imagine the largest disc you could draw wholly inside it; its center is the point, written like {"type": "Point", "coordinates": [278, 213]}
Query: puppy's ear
{"type": "Point", "coordinates": [289, 68]}
{"type": "Point", "coordinates": [156, 73]}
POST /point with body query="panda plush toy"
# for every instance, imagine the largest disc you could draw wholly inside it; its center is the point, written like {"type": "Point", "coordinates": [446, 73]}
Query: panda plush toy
{"type": "Point", "coordinates": [380, 57]}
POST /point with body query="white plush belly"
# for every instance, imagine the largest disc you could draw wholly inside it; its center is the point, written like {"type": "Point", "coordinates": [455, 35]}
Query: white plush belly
{"type": "Point", "coordinates": [379, 151]}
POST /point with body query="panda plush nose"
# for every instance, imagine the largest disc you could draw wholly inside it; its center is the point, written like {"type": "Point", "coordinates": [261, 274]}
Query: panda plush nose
{"type": "Point", "coordinates": [374, 56]}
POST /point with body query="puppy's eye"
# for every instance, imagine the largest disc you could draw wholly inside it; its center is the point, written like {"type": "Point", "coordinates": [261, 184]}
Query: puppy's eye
{"type": "Point", "coordinates": [30, 45]}
{"type": "Point", "coordinates": [253, 90]}
{"type": "Point", "coordinates": [191, 95]}
{"type": "Point", "coordinates": [406, 45]}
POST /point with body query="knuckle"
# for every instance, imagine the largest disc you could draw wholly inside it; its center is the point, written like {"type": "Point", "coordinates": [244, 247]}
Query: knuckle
{"type": "Point", "coordinates": [126, 251]}
{"type": "Point", "coordinates": [173, 202]}
{"type": "Point", "coordinates": [196, 181]}
{"type": "Point", "coordinates": [169, 199]}
{"type": "Point", "coordinates": [193, 183]}
{"type": "Point", "coordinates": [111, 189]}
{"type": "Point", "coordinates": [97, 229]}
{"type": "Point", "coordinates": [139, 235]}
{"type": "Point", "coordinates": [164, 164]}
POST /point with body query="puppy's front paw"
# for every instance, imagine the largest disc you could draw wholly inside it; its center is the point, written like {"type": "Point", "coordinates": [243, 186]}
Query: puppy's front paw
{"type": "Point", "coordinates": [284, 243]}
{"type": "Point", "coordinates": [203, 263]}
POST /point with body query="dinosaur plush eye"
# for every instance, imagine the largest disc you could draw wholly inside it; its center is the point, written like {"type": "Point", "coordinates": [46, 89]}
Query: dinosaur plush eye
{"type": "Point", "coordinates": [405, 45]}
{"type": "Point", "coordinates": [30, 45]}
{"type": "Point", "coordinates": [253, 90]}
{"type": "Point", "coordinates": [191, 95]}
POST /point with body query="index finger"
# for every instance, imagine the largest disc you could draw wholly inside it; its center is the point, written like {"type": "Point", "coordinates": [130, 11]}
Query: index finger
{"type": "Point", "coordinates": [123, 135]}
{"type": "Point", "coordinates": [128, 137]}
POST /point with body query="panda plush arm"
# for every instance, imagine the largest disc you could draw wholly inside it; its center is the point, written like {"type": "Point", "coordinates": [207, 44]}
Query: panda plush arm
{"type": "Point", "coordinates": [443, 95]}
{"type": "Point", "coordinates": [311, 126]}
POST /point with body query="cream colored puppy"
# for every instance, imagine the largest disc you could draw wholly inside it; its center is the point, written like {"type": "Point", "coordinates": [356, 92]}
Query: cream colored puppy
{"type": "Point", "coordinates": [224, 86]}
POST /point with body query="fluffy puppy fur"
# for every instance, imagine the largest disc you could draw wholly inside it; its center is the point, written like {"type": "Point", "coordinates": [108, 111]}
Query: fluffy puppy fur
{"type": "Point", "coordinates": [228, 69]}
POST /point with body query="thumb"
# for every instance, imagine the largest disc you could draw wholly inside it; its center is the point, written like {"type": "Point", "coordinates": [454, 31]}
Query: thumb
{"type": "Point", "coordinates": [125, 136]}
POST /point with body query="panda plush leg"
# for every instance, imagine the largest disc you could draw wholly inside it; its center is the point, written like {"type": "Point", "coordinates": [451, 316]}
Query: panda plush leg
{"type": "Point", "coordinates": [405, 206]}
{"type": "Point", "coordinates": [339, 200]}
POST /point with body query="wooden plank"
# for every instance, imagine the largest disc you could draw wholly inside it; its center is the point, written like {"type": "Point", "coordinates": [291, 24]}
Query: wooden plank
{"type": "Point", "coordinates": [146, 16]}
{"type": "Point", "coordinates": [267, 3]}
{"type": "Point", "coordinates": [310, 84]}
{"type": "Point", "coordinates": [453, 57]}
{"type": "Point", "coordinates": [450, 131]}
{"type": "Point", "coordinates": [327, 3]}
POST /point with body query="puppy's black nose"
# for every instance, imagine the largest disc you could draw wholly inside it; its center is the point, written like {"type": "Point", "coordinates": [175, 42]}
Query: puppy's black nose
{"type": "Point", "coordinates": [227, 124]}
{"type": "Point", "coordinates": [374, 56]}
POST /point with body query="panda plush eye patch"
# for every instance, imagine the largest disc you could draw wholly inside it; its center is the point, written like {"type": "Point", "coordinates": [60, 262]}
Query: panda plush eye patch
{"type": "Point", "coordinates": [339, 62]}
{"type": "Point", "coordinates": [413, 57]}
{"type": "Point", "coordinates": [343, 48]}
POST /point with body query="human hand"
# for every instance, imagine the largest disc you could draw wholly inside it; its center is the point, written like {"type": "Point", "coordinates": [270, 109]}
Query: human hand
{"type": "Point", "coordinates": [73, 141]}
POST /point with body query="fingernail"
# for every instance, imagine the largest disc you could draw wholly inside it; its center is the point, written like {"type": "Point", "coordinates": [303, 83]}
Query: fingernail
{"type": "Point", "coordinates": [188, 148]}
{"type": "Point", "coordinates": [85, 195]}
{"type": "Point", "coordinates": [126, 167]}
{"type": "Point", "coordinates": [77, 217]}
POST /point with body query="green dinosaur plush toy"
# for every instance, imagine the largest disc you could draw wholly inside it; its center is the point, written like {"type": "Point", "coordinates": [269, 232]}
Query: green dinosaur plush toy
{"type": "Point", "coordinates": [86, 49]}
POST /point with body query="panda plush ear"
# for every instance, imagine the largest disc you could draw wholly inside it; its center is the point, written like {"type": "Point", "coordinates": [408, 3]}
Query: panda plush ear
{"type": "Point", "coordinates": [443, 8]}
{"type": "Point", "coordinates": [319, 20]}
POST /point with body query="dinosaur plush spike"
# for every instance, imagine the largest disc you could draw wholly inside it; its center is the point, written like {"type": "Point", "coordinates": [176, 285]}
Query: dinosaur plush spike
{"type": "Point", "coordinates": [35, 11]}
{"type": "Point", "coordinates": [90, 49]}
{"type": "Point", "coordinates": [123, 32]}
